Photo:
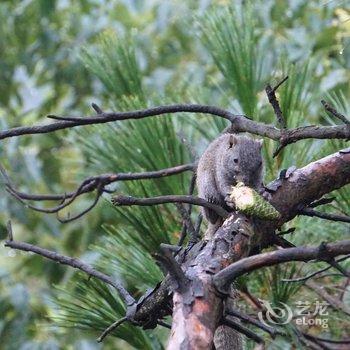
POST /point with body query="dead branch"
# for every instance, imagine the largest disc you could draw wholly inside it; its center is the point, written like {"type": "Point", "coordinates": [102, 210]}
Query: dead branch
{"type": "Point", "coordinates": [327, 216]}
{"type": "Point", "coordinates": [172, 266]}
{"type": "Point", "coordinates": [333, 302]}
{"type": "Point", "coordinates": [332, 111]}
{"type": "Point", "coordinates": [90, 184]}
{"type": "Point", "coordinates": [271, 95]}
{"type": "Point", "coordinates": [128, 201]}
{"type": "Point", "coordinates": [248, 319]}
{"type": "Point", "coordinates": [239, 124]}
{"type": "Point", "coordinates": [73, 262]}
{"type": "Point", "coordinates": [313, 274]}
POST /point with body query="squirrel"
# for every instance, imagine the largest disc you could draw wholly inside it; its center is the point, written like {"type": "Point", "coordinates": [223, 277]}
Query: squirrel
{"type": "Point", "coordinates": [228, 159]}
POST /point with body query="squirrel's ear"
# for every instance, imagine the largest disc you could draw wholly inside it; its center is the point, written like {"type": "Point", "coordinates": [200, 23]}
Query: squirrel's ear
{"type": "Point", "coordinates": [232, 140]}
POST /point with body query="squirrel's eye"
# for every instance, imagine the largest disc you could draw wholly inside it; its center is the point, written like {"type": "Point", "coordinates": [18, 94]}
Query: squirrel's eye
{"type": "Point", "coordinates": [236, 160]}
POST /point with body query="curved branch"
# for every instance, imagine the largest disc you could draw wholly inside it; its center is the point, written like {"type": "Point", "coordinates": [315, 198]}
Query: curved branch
{"type": "Point", "coordinates": [111, 328]}
{"type": "Point", "coordinates": [128, 201]}
{"type": "Point", "coordinates": [70, 122]}
{"type": "Point", "coordinates": [75, 263]}
{"type": "Point", "coordinates": [240, 123]}
{"type": "Point", "coordinates": [90, 184]}
{"type": "Point", "coordinates": [239, 268]}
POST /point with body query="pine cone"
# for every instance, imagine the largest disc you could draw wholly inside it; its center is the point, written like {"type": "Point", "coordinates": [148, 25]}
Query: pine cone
{"type": "Point", "coordinates": [249, 202]}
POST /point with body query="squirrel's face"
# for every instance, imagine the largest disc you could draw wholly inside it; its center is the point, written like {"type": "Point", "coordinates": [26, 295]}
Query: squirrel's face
{"type": "Point", "coordinates": [243, 160]}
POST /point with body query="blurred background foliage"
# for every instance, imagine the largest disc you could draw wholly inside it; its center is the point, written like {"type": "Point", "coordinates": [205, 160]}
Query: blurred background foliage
{"type": "Point", "coordinates": [58, 56]}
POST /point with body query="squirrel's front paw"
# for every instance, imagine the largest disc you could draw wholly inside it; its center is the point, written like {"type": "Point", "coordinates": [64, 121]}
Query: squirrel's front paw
{"type": "Point", "coordinates": [229, 201]}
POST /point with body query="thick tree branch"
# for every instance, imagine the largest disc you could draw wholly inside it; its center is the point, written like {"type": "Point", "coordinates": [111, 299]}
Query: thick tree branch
{"type": "Point", "coordinates": [128, 200]}
{"type": "Point", "coordinates": [239, 268]}
{"type": "Point", "coordinates": [310, 183]}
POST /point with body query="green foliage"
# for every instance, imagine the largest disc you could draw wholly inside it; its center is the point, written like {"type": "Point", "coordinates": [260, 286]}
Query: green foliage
{"type": "Point", "coordinates": [91, 305]}
{"type": "Point", "coordinates": [113, 61]}
{"type": "Point", "coordinates": [230, 35]}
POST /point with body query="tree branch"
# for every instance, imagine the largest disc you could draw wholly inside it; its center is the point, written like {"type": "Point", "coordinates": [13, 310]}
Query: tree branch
{"type": "Point", "coordinates": [73, 262]}
{"type": "Point", "coordinates": [230, 322]}
{"type": "Point", "coordinates": [248, 319]}
{"type": "Point", "coordinates": [331, 110]}
{"type": "Point", "coordinates": [328, 216]}
{"type": "Point", "coordinates": [111, 328]}
{"type": "Point", "coordinates": [239, 124]}
{"type": "Point", "coordinates": [270, 92]}
{"type": "Point", "coordinates": [90, 184]}
{"type": "Point", "coordinates": [128, 201]}
{"type": "Point", "coordinates": [313, 274]}
{"type": "Point", "coordinates": [239, 268]}
{"type": "Point", "coordinates": [333, 302]}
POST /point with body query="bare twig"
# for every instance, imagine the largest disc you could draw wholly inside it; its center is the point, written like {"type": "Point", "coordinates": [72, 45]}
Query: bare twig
{"type": "Point", "coordinates": [248, 319]}
{"type": "Point", "coordinates": [97, 109]}
{"type": "Point", "coordinates": [9, 231]}
{"type": "Point", "coordinates": [327, 216]}
{"type": "Point", "coordinates": [228, 274]}
{"type": "Point", "coordinates": [128, 200]}
{"type": "Point", "coordinates": [186, 214]}
{"type": "Point", "coordinates": [333, 302]}
{"type": "Point", "coordinates": [331, 110]}
{"type": "Point", "coordinates": [286, 232]}
{"type": "Point", "coordinates": [270, 92]}
{"type": "Point", "coordinates": [111, 328]}
{"type": "Point", "coordinates": [82, 213]}
{"type": "Point", "coordinates": [313, 274]}
{"type": "Point", "coordinates": [73, 262]}
{"type": "Point", "coordinates": [186, 219]}
{"type": "Point", "coordinates": [90, 184]}
{"type": "Point", "coordinates": [198, 224]}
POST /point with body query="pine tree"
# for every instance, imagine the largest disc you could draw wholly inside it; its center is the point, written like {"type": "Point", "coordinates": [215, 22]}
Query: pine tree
{"type": "Point", "coordinates": [244, 59]}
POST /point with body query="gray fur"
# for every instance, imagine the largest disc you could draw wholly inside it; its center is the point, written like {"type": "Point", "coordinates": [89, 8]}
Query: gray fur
{"type": "Point", "coordinates": [227, 160]}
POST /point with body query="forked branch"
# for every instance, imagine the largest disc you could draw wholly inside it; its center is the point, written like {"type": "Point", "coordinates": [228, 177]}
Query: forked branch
{"type": "Point", "coordinates": [99, 183]}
